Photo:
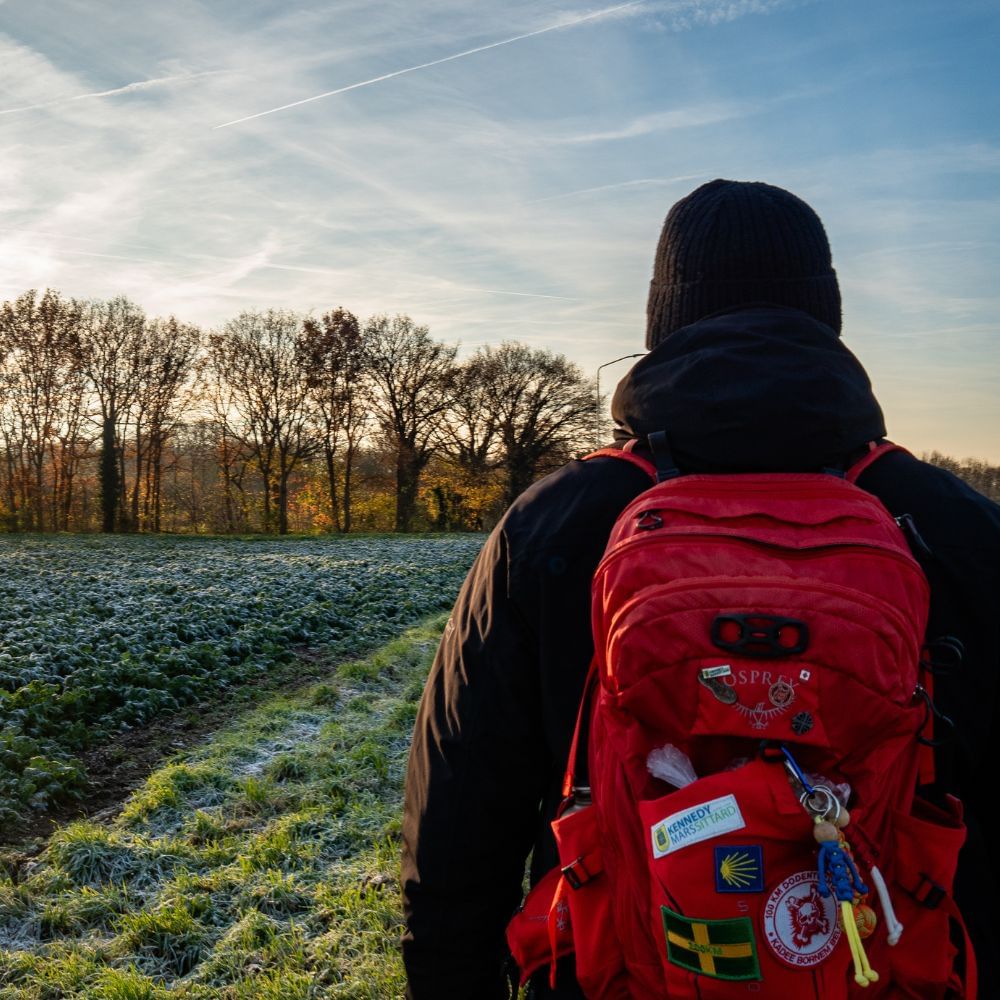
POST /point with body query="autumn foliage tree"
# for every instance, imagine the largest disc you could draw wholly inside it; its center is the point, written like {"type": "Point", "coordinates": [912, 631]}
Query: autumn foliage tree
{"type": "Point", "coordinates": [334, 353]}
{"type": "Point", "coordinates": [413, 375]}
{"type": "Point", "coordinates": [258, 357]}
{"type": "Point", "coordinates": [539, 405]}
{"type": "Point", "coordinates": [277, 423]}
{"type": "Point", "coordinates": [110, 345]}
{"type": "Point", "coordinates": [41, 379]}
{"type": "Point", "coordinates": [163, 395]}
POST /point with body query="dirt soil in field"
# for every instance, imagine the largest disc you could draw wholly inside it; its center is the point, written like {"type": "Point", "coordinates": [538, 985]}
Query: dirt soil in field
{"type": "Point", "coordinates": [123, 762]}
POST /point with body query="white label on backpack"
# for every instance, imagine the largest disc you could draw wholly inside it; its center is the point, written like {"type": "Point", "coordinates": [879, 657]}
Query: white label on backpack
{"type": "Point", "coordinates": [723, 670]}
{"type": "Point", "coordinates": [701, 822]}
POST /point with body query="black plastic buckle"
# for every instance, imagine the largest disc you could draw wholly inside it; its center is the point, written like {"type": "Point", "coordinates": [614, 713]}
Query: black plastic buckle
{"type": "Point", "coordinates": [648, 520]}
{"type": "Point", "coordinates": [928, 893]}
{"type": "Point", "coordinates": [760, 635]}
{"type": "Point", "coordinates": [576, 874]}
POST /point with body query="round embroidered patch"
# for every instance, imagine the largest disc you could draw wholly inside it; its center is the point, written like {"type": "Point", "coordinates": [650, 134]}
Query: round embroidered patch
{"type": "Point", "coordinates": [802, 723]}
{"type": "Point", "coordinates": [799, 924]}
{"type": "Point", "coordinates": [781, 693]}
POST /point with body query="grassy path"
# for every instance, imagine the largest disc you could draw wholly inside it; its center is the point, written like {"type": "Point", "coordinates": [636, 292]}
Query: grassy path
{"type": "Point", "coordinates": [263, 864]}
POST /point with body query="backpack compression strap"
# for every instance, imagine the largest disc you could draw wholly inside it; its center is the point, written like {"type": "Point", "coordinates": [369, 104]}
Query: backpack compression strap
{"type": "Point", "coordinates": [583, 713]}
{"type": "Point", "coordinates": [874, 453]}
{"type": "Point", "coordinates": [626, 455]}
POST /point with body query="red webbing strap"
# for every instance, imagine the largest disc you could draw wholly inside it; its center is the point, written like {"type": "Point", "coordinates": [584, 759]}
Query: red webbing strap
{"type": "Point", "coordinates": [875, 452]}
{"type": "Point", "coordinates": [971, 968]}
{"type": "Point", "coordinates": [970, 981]}
{"type": "Point", "coordinates": [625, 456]}
{"type": "Point", "coordinates": [558, 903]}
{"type": "Point", "coordinates": [570, 779]}
{"type": "Point", "coordinates": [582, 714]}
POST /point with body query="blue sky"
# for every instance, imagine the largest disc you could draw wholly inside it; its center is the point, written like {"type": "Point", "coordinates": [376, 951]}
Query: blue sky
{"type": "Point", "coordinates": [518, 191]}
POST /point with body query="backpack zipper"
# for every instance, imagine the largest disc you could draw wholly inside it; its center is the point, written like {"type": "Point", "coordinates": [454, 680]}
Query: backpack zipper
{"type": "Point", "coordinates": [666, 535]}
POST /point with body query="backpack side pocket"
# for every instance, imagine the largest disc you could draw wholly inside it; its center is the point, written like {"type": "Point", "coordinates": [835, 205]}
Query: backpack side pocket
{"type": "Point", "coordinates": [585, 889]}
{"type": "Point", "coordinates": [926, 962]}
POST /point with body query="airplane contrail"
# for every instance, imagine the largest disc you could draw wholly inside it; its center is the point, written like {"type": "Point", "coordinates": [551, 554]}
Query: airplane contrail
{"type": "Point", "coordinates": [640, 182]}
{"type": "Point", "coordinates": [504, 291]}
{"type": "Point", "coordinates": [437, 62]}
{"type": "Point", "coordinates": [129, 88]}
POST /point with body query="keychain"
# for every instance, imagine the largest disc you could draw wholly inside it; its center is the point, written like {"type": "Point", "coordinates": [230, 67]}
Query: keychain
{"type": "Point", "coordinates": [838, 874]}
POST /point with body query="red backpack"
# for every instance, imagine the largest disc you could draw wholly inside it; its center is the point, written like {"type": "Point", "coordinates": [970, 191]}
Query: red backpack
{"type": "Point", "coordinates": [744, 821]}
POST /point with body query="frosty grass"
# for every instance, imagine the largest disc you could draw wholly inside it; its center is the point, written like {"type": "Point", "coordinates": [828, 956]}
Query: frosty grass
{"type": "Point", "coordinates": [98, 635]}
{"type": "Point", "coordinates": [262, 865]}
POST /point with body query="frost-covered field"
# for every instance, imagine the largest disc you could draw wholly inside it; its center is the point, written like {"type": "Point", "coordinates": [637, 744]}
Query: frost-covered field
{"type": "Point", "coordinates": [261, 865]}
{"type": "Point", "coordinates": [101, 634]}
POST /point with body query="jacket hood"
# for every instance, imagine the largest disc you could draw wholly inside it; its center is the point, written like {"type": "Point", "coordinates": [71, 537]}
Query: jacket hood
{"type": "Point", "coordinates": [763, 389]}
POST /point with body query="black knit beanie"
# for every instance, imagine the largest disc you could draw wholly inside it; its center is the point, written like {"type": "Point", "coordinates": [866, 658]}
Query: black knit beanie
{"type": "Point", "coordinates": [734, 242]}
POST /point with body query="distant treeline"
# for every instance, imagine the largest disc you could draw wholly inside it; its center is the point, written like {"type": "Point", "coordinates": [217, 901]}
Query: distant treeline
{"type": "Point", "coordinates": [979, 475]}
{"type": "Point", "coordinates": [114, 421]}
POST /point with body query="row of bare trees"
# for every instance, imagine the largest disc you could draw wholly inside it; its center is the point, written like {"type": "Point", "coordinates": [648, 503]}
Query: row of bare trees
{"type": "Point", "coordinates": [112, 420]}
{"type": "Point", "coordinates": [980, 475]}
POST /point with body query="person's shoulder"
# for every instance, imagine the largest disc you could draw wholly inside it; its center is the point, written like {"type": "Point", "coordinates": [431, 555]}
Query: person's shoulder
{"type": "Point", "coordinates": [580, 487]}
{"type": "Point", "coordinates": [575, 504]}
{"type": "Point", "coordinates": [937, 499]}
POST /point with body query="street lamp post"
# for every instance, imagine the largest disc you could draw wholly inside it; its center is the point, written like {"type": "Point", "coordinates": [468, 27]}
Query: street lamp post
{"type": "Point", "coordinates": [597, 403]}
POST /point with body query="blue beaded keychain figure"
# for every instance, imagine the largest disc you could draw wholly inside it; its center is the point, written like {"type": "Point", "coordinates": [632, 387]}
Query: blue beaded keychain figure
{"type": "Point", "coordinates": [839, 876]}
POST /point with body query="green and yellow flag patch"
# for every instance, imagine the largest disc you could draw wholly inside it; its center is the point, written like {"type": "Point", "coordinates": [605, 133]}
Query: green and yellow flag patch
{"type": "Point", "coordinates": [723, 949]}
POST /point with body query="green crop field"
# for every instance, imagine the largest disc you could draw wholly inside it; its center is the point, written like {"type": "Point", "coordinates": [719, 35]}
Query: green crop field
{"type": "Point", "coordinates": [262, 865]}
{"type": "Point", "coordinates": [100, 635]}
{"type": "Point", "coordinates": [263, 860]}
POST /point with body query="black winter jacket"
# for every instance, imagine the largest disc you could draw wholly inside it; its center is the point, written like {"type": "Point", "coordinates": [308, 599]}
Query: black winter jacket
{"type": "Point", "coordinates": [760, 389]}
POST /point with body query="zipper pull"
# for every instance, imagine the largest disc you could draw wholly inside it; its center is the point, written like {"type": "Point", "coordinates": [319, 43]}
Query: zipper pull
{"type": "Point", "coordinates": [648, 520]}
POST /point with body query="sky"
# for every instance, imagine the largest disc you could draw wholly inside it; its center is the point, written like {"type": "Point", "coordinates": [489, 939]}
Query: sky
{"type": "Point", "coordinates": [502, 171]}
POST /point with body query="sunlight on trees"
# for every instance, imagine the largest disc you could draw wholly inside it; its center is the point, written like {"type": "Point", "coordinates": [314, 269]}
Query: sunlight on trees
{"type": "Point", "coordinates": [114, 421]}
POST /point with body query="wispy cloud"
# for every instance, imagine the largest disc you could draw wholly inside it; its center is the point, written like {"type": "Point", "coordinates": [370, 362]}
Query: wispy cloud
{"type": "Point", "coordinates": [569, 23]}
{"type": "Point", "coordinates": [507, 291]}
{"type": "Point", "coordinates": [621, 185]}
{"type": "Point", "coordinates": [684, 15]}
{"type": "Point", "coordinates": [511, 197]}
{"type": "Point", "coordinates": [676, 118]}
{"type": "Point", "coordinates": [129, 88]}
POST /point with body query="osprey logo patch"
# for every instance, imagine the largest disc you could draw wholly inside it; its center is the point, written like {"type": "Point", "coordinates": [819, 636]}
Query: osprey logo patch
{"type": "Point", "coordinates": [759, 695]}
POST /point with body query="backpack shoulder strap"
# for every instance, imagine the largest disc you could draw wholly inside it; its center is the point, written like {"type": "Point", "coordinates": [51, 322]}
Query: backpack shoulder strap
{"type": "Point", "coordinates": [874, 453]}
{"type": "Point", "coordinates": [626, 456]}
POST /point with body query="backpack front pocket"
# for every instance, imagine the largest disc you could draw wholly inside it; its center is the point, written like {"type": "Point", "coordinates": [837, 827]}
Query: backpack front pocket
{"type": "Point", "coordinates": [735, 894]}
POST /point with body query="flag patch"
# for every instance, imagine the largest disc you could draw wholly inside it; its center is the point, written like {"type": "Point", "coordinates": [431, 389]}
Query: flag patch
{"type": "Point", "coordinates": [739, 869]}
{"type": "Point", "coordinates": [722, 949]}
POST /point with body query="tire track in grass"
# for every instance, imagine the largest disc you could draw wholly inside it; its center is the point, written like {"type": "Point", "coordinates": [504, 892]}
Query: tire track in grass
{"type": "Point", "coordinates": [103, 636]}
{"type": "Point", "coordinates": [262, 864]}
